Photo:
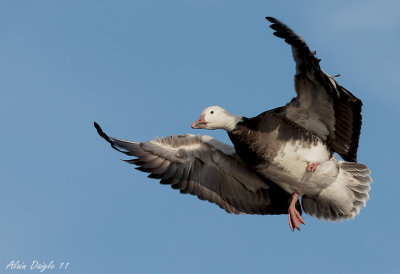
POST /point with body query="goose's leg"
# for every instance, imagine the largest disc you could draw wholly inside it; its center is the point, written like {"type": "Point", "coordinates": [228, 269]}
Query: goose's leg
{"type": "Point", "coordinates": [312, 167]}
{"type": "Point", "coordinates": [295, 218]}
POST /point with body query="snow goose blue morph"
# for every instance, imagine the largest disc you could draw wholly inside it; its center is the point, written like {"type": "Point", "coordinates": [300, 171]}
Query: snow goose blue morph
{"type": "Point", "coordinates": [277, 156]}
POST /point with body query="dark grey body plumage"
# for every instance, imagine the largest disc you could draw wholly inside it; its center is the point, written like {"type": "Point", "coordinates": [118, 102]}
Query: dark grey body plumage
{"type": "Point", "coordinates": [257, 140]}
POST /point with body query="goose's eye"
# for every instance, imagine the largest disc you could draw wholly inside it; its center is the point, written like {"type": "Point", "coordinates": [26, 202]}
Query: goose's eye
{"type": "Point", "coordinates": [212, 111]}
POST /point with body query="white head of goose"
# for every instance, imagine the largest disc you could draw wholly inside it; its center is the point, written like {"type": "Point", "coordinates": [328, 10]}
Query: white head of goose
{"type": "Point", "coordinates": [277, 156]}
{"type": "Point", "coordinates": [215, 117]}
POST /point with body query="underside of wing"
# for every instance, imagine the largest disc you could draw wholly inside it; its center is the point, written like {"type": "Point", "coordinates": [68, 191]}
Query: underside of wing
{"type": "Point", "coordinates": [322, 106]}
{"type": "Point", "coordinates": [207, 168]}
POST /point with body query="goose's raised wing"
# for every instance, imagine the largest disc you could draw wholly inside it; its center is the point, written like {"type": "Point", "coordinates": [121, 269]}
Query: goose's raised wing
{"type": "Point", "coordinates": [322, 106]}
{"type": "Point", "coordinates": [207, 168]}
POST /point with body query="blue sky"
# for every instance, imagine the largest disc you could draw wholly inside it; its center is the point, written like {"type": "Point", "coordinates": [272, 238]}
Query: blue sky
{"type": "Point", "coordinates": [147, 68]}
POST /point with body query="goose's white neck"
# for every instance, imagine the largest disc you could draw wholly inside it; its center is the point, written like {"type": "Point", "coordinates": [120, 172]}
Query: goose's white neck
{"type": "Point", "coordinates": [231, 121]}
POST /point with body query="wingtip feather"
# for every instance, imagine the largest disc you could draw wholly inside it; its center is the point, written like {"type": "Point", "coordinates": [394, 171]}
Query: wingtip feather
{"type": "Point", "coordinates": [271, 19]}
{"type": "Point", "coordinates": [101, 133]}
{"type": "Point", "coordinates": [105, 136]}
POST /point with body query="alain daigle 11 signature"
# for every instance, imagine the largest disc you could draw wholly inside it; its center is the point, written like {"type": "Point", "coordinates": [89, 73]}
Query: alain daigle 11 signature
{"type": "Point", "coordinates": [36, 265]}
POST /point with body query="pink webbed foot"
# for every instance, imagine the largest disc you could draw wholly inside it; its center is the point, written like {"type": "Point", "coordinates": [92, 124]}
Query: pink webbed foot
{"type": "Point", "coordinates": [312, 167]}
{"type": "Point", "coordinates": [295, 218]}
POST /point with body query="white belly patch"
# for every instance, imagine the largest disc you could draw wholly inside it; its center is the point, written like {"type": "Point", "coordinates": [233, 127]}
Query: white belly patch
{"type": "Point", "coordinates": [289, 168]}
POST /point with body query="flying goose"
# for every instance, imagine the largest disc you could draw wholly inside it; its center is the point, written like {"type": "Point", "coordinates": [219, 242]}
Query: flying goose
{"type": "Point", "coordinates": [277, 156]}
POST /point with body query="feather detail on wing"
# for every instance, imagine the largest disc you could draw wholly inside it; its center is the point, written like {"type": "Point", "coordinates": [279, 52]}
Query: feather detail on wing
{"type": "Point", "coordinates": [322, 106]}
{"type": "Point", "coordinates": [203, 166]}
